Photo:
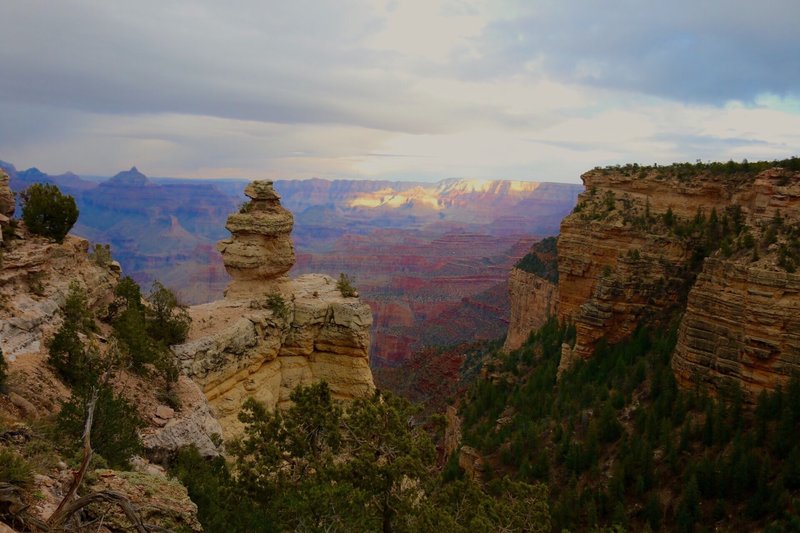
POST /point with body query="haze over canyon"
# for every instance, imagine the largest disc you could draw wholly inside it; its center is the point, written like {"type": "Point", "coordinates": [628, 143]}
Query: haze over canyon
{"type": "Point", "coordinates": [431, 259]}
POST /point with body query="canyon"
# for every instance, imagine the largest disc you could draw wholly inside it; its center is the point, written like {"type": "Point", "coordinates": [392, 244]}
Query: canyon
{"type": "Point", "coordinates": [430, 259]}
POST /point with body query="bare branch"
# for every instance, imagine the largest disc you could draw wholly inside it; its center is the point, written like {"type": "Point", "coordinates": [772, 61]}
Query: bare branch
{"type": "Point", "coordinates": [59, 516]}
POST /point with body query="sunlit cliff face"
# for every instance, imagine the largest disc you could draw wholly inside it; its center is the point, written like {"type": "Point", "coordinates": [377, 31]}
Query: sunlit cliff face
{"type": "Point", "coordinates": [442, 194]}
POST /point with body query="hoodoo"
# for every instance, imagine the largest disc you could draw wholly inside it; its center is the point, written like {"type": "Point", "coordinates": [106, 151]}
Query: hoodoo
{"type": "Point", "coordinates": [260, 252]}
{"type": "Point", "coordinates": [271, 333]}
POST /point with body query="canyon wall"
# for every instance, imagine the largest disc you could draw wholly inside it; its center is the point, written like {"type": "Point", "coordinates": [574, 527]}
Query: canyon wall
{"type": "Point", "coordinates": [619, 262]}
{"type": "Point", "coordinates": [533, 292]}
{"type": "Point", "coordinates": [716, 244]}
{"type": "Point", "coordinates": [742, 320]}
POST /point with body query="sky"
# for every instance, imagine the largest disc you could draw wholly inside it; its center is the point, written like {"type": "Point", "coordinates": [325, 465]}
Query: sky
{"type": "Point", "coordinates": [395, 89]}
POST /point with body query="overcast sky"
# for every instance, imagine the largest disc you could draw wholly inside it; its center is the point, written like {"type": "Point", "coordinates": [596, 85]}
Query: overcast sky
{"type": "Point", "coordinates": [403, 89]}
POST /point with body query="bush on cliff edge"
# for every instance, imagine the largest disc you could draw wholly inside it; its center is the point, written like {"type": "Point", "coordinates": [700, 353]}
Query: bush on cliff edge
{"type": "Point", "coordinates": [47, 212]}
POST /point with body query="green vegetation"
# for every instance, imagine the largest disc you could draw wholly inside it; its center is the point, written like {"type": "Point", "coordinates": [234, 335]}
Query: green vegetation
{"type": "Point", "coordinates": [100, 255]}
{"type": "Point", "coordinates": [345, 286]}
{"type": "Point", "coordinates": [167, 319]}
{"type": "Point", "coordinates": [619, 444]}
{"type": "Point", "coordinates": [731, 170]}
{"type": "Point", "coordinates": [14, 468]}
{"type": "Point", "coordinates": [363, 466]}
{"type": "Point", "coordinates": [115, 432]}
{"type": "Point", "coordinates": [542, 260]}
{"type": "Point", "coordinates": [141, 336]}
{"type": "Point", "coordinates": [47, 212]}
{"type": "Point", "coordinates": [73, 362]}
{"type": "Point", "coordinates": [145, 332]}
{"type": "Point", "coordinates": [277, 305]}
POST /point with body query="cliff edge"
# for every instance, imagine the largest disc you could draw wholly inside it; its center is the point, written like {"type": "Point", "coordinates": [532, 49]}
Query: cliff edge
{"type": "Point", "coordinates": [718, 244]}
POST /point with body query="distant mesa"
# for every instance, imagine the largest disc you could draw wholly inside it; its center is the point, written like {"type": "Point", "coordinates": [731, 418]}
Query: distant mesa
{"type": "Point", "coordinates": [129, 178]}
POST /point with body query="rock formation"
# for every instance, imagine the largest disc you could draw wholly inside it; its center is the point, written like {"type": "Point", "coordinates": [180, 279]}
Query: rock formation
{"type": "Point", "coordinates": [34, 281]}
{"type": "Point", "coordinates": [635, 247]}
{"type": "Point", "coordinates": [6, 196]}
{"type": "Point", "coordinates": [533, 292]}
{"type": "Point", "coordinates": [618, 262]}
{"type": "Point", "coordinates": [35, 275]}
{"type": "Point", "coordinates": [270, 333]}
{"type": "Point", "coordinates": [6, 201]}
{"type": "Point", "coordinates": [742, 320]}
{"type": "Point", "coordinates": [261, 252]}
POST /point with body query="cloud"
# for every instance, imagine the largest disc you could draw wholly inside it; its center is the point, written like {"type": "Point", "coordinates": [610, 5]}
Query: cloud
{"type": "Point", "coordinates": [422, 89]}
{"type": "Point", "coordinates": [710, 51]}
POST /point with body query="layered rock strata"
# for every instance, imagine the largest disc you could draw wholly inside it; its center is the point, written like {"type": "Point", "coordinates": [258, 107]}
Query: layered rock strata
{"type": "Point", "coordinates": [742, 320]}
{"type": "Point", "coordinates": [618, 263]}
{"type": "Point", "coordinates": [6, 196]}
{"type": "Point", "coordinates": [35, 275]}
{"type": "Point", "coordinates": [260, 252]}
{"type": "Point", "coordinates": [741, 328]}
{"type": "Point", "coordinates": [271, 334]}
{"type": "Point", "coordinates": [633, 249]}
{"type": "Point", "coordinates": [533, 299]}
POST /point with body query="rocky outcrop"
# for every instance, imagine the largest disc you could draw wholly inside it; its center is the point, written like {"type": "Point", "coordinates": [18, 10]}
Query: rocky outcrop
{"type": "Point", "coordinates": [635, 248]}
{"type": "Point", "coordinates": [533, 292]}
{"type": "Point", "coordinates": [742, 320]}
{"type": "Point", "coordinates": [271, 334]}
{"type": "Point", "coordinates": [192, 424]}
{"type": "Point", "coordinates": [160, 502]}
{"type": "Point", "coordinates": [260, 252]}
{"type": "Point", "coordinates": [35, 275]}
{"type": "Point", "coordinates": [239, 349]}
{"type": "Point", "coordinates": [6, 196]}
{"type": "Point", "coordinates": [35, 278]}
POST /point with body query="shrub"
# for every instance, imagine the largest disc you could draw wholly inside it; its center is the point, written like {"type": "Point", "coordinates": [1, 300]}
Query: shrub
{"type": "Point", "coordinates": [47, 212]}
{"type": "Point", "coordinates": [345, 286]}
{"type": "Point", "coordinates": [277, 305]}
{"type": "Point", "coordinates": [69, 358]}
{"type": "Point", "coordinates": [115, 431]}
{"type": "Point", "coordinates": [167, 319]}
{"type": "Point", "coordinates": [14, 468]}
{"type": "Point", "coordinates": [66, 353]}
{"type": "Point", "coordinates": [101, 255]}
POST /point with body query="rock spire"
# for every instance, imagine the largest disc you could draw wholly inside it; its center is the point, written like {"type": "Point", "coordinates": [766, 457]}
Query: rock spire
{"type": "Point", "coordinates": [260, 252]}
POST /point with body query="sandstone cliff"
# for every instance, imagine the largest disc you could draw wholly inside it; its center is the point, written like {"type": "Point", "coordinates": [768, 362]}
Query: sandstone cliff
{"type": "Point", "coordinates": [724, 244]}
{"type": "Point", "coordinates": [6, 196]}
{"type": "Point", "coordinates": [533, 292]}
{"type": "Point", "coordinates": [271, 333]}
{"type": "Point", "coordinates": [742, 321]}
